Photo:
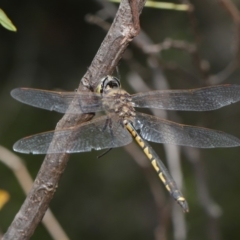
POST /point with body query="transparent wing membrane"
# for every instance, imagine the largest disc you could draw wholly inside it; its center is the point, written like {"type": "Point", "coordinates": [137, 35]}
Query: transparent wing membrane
{"type": "Point", "coordinates": [84, 102]}
{"type": "Point", "coordinates": [200, 99]}
{"type": "Point", "coordinates": [100, 133]}
{"type": "Point", "coordinates": [158, 130]}
{"type": "Point", "coordinates": [121, 123]}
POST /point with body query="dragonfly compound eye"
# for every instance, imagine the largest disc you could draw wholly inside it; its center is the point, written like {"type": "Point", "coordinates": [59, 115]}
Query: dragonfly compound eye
{"type": "Point", "coordinates": [107, 83]}
{"type": "Point", "coordinates": [112, 84]}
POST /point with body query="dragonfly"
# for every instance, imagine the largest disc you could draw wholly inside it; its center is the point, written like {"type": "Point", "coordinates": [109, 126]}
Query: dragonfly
{"type": "Point", "coordinates": [122, 123]}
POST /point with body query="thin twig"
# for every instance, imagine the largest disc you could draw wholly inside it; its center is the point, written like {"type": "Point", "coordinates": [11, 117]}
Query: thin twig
{"type": "Point", "coordinates": [15, 163]}
{"type": "Point", "coordinates": [163, 207]}
{"type": "Point", "coordinates": [33, 209]}
{"type": "Point", "coordinates": [212, 210]}
{"type": "Point", "coordinates": [234, 13]}
{"type": "Point", "coordinates": [179, 229]}
{"type": "Point", "coordinates": [169, 43]}
{"type": "Point", "coordinates": [173, 159]}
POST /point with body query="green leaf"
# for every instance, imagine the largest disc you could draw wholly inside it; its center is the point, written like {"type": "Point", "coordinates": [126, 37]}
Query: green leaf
{"type": "Point", "coordinates": [164, 5]}
{"type": "Point", "coordinates": [167, 5]}
{"type": "Point", "coordinates": [6, 22]}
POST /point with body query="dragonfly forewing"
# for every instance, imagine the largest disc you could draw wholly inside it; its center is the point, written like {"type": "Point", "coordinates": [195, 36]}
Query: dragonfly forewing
{"type": "Point", "coordinates": [82, 102]}
{"type": "Point", "coordinates": [158, 130]}
{"type": "Point", "coordinates": [122, 122]}
{"type": "Point", "coordinates": [200, 99]}
{"type": "Point", "coordinates": [99, 133]}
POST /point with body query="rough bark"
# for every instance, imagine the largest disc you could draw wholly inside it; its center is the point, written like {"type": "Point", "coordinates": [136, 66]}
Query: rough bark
{"type": "Point", "coordinates": [123, 30]}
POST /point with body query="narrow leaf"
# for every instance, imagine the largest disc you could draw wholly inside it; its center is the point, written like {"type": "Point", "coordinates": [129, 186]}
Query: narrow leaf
{"type": "Point", "coordinates": [164, 5]}
{"type": "Point", "coordinates": [6, 22]}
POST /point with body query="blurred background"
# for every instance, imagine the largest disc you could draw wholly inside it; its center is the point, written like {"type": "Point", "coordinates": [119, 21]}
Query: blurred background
{"type": "Point", "coordinates": [119, 196]}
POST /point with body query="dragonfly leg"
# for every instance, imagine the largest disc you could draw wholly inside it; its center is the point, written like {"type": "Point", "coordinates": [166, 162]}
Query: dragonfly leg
{"type": "Point", "coordinates": [104, 153]}
{"type": "Point", "coordinates": [106, 124]}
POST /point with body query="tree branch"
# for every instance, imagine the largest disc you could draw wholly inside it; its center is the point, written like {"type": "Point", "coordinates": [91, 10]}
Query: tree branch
{"type": "Point", "coordinates": [15, 163]}
{"type": "Point", "coordinates": [110, 52]}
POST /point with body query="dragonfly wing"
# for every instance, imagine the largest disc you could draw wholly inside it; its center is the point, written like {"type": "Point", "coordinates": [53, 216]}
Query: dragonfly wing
{"type": "Point", "coordinates": [158, 130]}
{"type": "Point", "coordinates": [85, 102]}
{"type": "Point", "coordinates": [99, 133]}
{"type": "Point", "coordinates": [199, 99]}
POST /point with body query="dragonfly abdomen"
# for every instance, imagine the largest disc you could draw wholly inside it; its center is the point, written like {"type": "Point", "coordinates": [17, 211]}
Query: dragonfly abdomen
{"type": "Point", "coordinates": [159, 167]}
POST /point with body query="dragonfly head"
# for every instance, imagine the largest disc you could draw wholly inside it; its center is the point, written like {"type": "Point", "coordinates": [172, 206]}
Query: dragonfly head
{"type": "Point", "coordinates": [107, 83]}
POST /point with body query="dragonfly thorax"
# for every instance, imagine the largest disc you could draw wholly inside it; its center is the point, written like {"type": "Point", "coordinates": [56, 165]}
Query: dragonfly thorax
{"type": "Point", "coordinates": [119, 102]}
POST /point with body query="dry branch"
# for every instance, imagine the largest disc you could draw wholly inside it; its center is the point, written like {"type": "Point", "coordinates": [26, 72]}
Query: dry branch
{"type": "Point", "coordinates": [20, 171]}
{"type": "Point", "coordinates": [110, 52]}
